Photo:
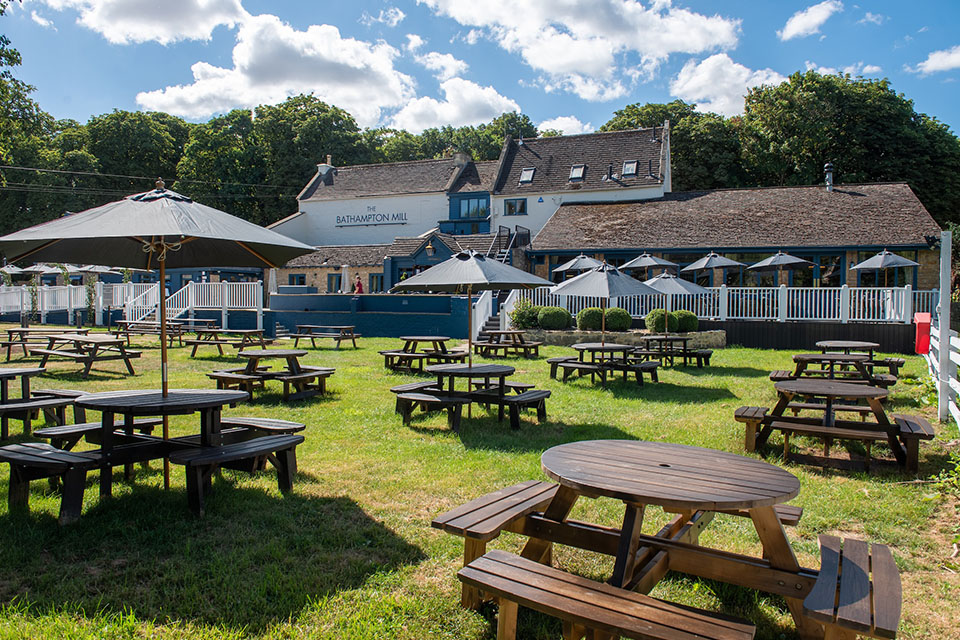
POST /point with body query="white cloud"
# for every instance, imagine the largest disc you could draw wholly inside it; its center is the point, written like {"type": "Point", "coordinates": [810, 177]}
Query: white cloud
{"type": "Point", "coordinates": [40, 20]}
{"type": "Point", "coordinates": [444, 65]}
{"type": "Point", "coordinates": [126, 21]}
{"type": "Point", "coordinates": [808, 21]}
{"type": "Point", "coordinates": [943, 60]}
{"type": "Point", "coordinates": [464, 103]}
{"type": "Point", "coordinates": [272, 61]}
{"type": "Point", "coordinates": [824, 71]}
{"type": "Point", "coordinates": [391, 17]}
{"type": "Point", "coordinates": [859, 69]}
{"type": "Point", "coordinates": [872, 18]}
{"type": "Point", "coordinates": [568, 125]}
{"type": "Point", "coordinates": [590, 48]}
{"type": "Point", "coordinates": [719, 84]}
{"type": "Point", "coordinates": [414, 42]}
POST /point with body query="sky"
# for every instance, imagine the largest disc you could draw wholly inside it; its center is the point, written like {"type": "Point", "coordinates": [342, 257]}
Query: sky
{"type": "Point", "coordinates": [567, 64]}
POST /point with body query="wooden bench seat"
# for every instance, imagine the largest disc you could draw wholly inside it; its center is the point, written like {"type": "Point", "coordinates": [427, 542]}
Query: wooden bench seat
{"type": "Point", "coordinates": [909, 438]}
{"type": "Point", "coordinates": [25, 409]}
{"type": "Point", "coordinates": [857, 591]}
{"type": "Point", "coordinates": [862, 409]}
{"type": "Point", "coordinates": [586, 606]}
{"type": "Point", "coordinates": [308, 383]}
{"type": "Point", "coordinates": [35, 460]}
{"type": "Point", "coordinates": [504, 349]}
{"type": "Point", "coordinates": [404, 360]}
{"type": "Point", "coordinates": [482, 519]}
{"type": "Point", "coordinates": [196, 343]}
{"type": "Point", "coordinates": [409, 401]}
{"type": "Point", "coordinates": [200, 463]}
{"type": "Point", "coordinates": [555, 362]}
{"type": "Point", "coordinates": [752, 417]}
{"type": "Point", "coordinates": [582, 368]}
{"type": "Point", "coordinates": [79, 413]}
{"type": "Point", "coordinates": [637, 368]}
{"type": "Point", "coordinates": [338, 337]}
{"type": "Point", "coordinates": [788, 514]}
{"type": "Point", "coordinates": [780, 375]}
{"type": "Point", "coordinates": [531, 398]}
{"type": "Point", "coordinates": [703, 356]}
{"type": "Point", "coordinates": [67, 436]}
{"type": "Point", "coordinates": [263, 426]}
{"type": "Point", "coordinates": [236, 380]}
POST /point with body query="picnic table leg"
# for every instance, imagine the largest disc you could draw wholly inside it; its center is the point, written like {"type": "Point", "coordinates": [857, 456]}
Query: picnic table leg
{"type": "Point", "coordinates": [558, 510]}
{"type": "Point", "coordinates": [126, 360]}
{"type": "Point", "coordinates": [106, 445]}
{"type": "Point", "coordinates": [892, 436]}
{"type": "Point", "coordinates": [128, 429]}
{"type": "Point", "coordinates": [629, 543]}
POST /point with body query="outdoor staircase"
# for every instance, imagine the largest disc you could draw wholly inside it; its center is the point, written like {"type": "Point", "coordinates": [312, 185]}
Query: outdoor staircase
{"type": "Point", "coordinates": [281, 332]}
{"type": "Point", "coordinates": [492, 324]}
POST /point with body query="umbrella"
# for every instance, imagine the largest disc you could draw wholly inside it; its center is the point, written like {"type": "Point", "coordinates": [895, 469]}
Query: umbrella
{"type": "Point", "coordinates": [712, 260]}
{"type": "Point", "coordinates": [669, 283]}
{"type": "Point", "coordinates": [605, 282]}
{"type": "Point", "coordinates": [41, 270]}
{"type": "Point", "coordinates": [646, 261]}
{"type": "Point", "coordinates": [11, 270]}
{"type": "Point", "coordinates": [780, 261]}
{"type": "Point", "coordinates": [580, 263]}
{"type": "Point", "coordinates": [98, 269]}
{"type": "Point", "coordinates": [158, 228]}
{"type": "Point", "coordinates": [470, 271]}
{"type": "Point", "coordinates": [884, 260]}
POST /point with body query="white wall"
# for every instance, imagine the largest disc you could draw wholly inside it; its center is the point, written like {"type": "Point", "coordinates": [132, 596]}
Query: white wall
{"type": "Point", "coordinates": [375, 220]}
{"type": "Point", "coordinates": [539, 212]}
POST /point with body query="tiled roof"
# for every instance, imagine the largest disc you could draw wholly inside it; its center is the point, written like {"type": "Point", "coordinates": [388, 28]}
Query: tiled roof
{"type": "Point", "coordinates": [476, 176]}
{"type": "Point", "coordinates": [553, 157]}
{"type": "Point", "coordinates": [354, 255]}
{"type": "Point", "coordinates": [389, 178]}
{"type": "Point", "coordinates": [851, 215]}
{"type": "Point", "coordinates": [408, 246]}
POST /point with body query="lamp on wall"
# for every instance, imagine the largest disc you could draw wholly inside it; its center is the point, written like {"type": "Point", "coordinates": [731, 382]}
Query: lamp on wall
{"type": "Point", "coordinates": [429, 249]}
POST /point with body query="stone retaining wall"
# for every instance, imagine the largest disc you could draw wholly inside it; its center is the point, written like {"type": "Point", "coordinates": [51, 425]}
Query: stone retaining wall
{"type": "Point", "coordinates": [716, 339]}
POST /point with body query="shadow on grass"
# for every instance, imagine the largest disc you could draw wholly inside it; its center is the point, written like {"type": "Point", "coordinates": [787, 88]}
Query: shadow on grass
{"type": "Point", "coordinates": [488, 434]}
{"type": "Point", "coordinates": [256, 559]}
{"type": "Point", "coordinates": [720, 370]}
{"type": "Point", "coordinates": [95, 375]}
{"type": "Point", "coordinates": [669, 392]}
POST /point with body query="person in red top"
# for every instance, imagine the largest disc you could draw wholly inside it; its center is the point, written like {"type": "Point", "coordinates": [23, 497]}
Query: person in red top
{"type": "Point", "coordinates": [358, 286]}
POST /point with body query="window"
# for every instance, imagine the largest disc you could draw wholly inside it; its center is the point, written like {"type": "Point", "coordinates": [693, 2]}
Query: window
{"type": "Point", "coordinates": [297, 278]}
{"type": "Point", "coordinates": [333, 282]}
{"type": "Point", "coordinates": [473, 208]}
{"type": "Point", "coordinates": [515, 207]}
{"type": "Point", "coordinates": [629, 168]}
{"type": "Point", "coordinates": [376, 283]}
{"type": "Point", "coordinates": [526, 175]}
{"type": "Point", "coordinates": [576, 172]}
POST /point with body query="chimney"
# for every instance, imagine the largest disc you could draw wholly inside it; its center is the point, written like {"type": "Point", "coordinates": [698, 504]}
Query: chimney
{"type": "Point", "coordinates": [329, 159]}
{"type": "Point", "coordinates": [326, 172]}
{"type": "Point", "coordinates": [461, 159]}
{"type": "Point", "coordinates": [828, 170]}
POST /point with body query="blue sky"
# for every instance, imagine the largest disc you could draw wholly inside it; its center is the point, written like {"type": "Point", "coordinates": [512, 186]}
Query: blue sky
{"type": "Point", "coordinates": [568, 64]}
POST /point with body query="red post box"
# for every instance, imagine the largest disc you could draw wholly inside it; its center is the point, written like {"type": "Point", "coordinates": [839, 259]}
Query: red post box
{"type": "Point", "coordinates": [922, 340]}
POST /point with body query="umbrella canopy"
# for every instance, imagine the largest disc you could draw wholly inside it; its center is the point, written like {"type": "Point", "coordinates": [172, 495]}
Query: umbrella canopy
{"type": "Point", "coordinates": [780, 261]}
{"type": "Point", "coordinates": [669, 283]}
{"type": "Point", "coordinates": [98, 269]}
{"type": "Point", "coordinates": [41, 269]}
{"type": "Point", "coordinates": [469, 271]}
{"type": "Point", "coordinates": [884, 260]}
{"type": "Point", "coordinates": [712, 260]}
{"type": "Point", "coordinates": [158, 228]}
{"type": "Point", "coordinates": [645, 261]}
{"type": "Point", "coordinates": [580, 263]}
{"type": "Point", "coordinates": [11, 270]}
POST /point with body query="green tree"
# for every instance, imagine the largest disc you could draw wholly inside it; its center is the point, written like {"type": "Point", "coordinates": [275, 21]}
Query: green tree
{"type": "Point", "coordinates": [136, 143]}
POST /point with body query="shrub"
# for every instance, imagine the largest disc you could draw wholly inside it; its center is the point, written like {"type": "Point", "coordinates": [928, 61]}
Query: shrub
{"type": "Point", "coordinates": [554, 318]}
{"type": "Point", "coordinates": [618, 319]}
{"type": "Point", "coordinates": [657, 318]}
{"type": "Point", "coordinates": [524, 314]}
{"type": "Point", "coordinates": [589, 319]}
{"type": "Point", "coordinates": [686, 320]}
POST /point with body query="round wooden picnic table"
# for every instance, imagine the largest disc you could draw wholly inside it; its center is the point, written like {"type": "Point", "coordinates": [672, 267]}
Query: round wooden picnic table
{"type": "Point", "coordinates": [848, 345]}
{"type": "Point", "coordinates": [484, 371]}
{"type": "Point", "coordinates": [603, 348]}
{"type": "Point", "coordinates": [410, 343]}
{"type": "Point", "coordinates": [11, 373]}
{"type": "Point", "coordinates": [831, 391]}
{"type": "Point", "coordinates": [254, 356]}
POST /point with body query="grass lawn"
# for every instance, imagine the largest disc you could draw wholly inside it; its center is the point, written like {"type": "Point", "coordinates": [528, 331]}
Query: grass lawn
{"type": "Point", "coordinates": [350, 552]}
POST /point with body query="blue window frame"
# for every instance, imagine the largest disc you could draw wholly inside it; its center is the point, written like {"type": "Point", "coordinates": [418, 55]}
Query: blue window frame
{"type": "Point", "coordinates": [474, 208]}
{"type": "Point", "coordinates": [297, 279]}
{"type": "Point", "coordinates": [334, 281]}
{"type": "Point", "coordinates": [515, 207]}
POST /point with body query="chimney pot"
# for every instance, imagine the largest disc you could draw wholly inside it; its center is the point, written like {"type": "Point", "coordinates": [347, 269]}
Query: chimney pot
{"type": "Point", "coordinates": [329, 159]}
{"type": "Point", "coordinates": [828, 170]}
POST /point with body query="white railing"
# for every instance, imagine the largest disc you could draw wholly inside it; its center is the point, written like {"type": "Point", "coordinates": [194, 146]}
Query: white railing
{"type": "Point", "coordinates": [481, 310]}
{"type": "Point", "coordinates": [952, 360]}
{"type": "Point", "coordinates": [143, 305]}
{"type": "Point", "coordinates": [507, 308]}
{"type": "Point", "coordinates": [809, 304]}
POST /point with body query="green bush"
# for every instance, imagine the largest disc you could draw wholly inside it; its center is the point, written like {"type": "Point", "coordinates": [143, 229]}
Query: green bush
{"type": "Point", "coordinates": [686, 320]}
{"type": "Point", "coordinates": [524, 314]}
{"type": "Point", "coordinates": [589, 319]}
{"type": "Point", "coordinates": [656, 319]}
{"type": "Point", "coordinates": [554, 318]}
{"type": "Point", "coordinates": [618, 319]}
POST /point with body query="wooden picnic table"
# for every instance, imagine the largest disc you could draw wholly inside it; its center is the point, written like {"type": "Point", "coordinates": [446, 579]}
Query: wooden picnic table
{"type": "Point", "coordinates": [693, 482]}
{"type": "Point", "coordinates": [87, 349]}
{"type": "Point", "coordinates": [847, 346]}
{"type": "Point", "coordinates": [412, 343]}
{"type": "Point", "coordinates": [140, 447]}
{"type": "Point", "coordinates": [505, 342]}
{"type": "Point", "coordinates": [214, 336]}
{"type": "Point", "coordinates": [129, 328]}
{"type": "Point", "coordinates": [21, 336]}
{"type": "Point", "coordinates": [448, 373]}
{"type": "Point", "coordinates": [667, 346]}
{"type": "Point", "coordinates": [307, 381]}
{"type": "Point", "coordinates": [411, 357]}
{"type": "Point", "coordinates": [850, 367]}
{"type": "Point", "coordinates": [338, 333]}
{"type": "Point", "coordinates": [22, 408]}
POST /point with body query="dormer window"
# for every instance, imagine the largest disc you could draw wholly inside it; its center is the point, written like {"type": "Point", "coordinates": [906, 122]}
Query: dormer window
{"type": "Point", "coordinates": [526, 175]}
{"type": "Point", "coordinates": [576, 172]}
{"type": "Point", "coordinates": [629, 168]}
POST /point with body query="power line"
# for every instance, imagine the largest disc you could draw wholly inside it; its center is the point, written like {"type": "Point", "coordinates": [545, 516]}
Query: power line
{"type": "Point", "coordinates": [120, 175]}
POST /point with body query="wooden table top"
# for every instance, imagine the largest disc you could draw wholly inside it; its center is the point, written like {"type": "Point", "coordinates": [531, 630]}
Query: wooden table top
{"type": "Point", "coordinates": [425, 338]}
{"type": "Point", "coordinates": [477, 370]}
{"type": "Point", "coordinates": [847, 344]}
{"type": "Point", "coordinates": [830, 388]}
{"type": "Point", "coordinates": [598, 346]}
{"type": "Point", "coordinates": [667, 336]}
{"type": "Point", "coordinates": [338, 327]}
{"type": "Point", "coordinates": [15, 372]}
{"type": "Point", "coordinates": [505, 332]}
{"type": "Point", "coordinates": [239, 332]}
{"type": "Point", "coordinates": [44, 330]}
{"type": "Point", "coordinates": [97, 338]}
{"type": "Point", "coordinates": [149, 323]}
{"type": "Point", "coordinates": [831, 357]}
{"type": "Point", "coordinates": [151, 402]}
{"type": "Point", "coordinates": [670, 475]}
{"type": "Point", "coordinates": [272, 353]}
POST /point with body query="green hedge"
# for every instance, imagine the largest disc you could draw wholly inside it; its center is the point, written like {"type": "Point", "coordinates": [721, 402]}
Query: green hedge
{"type": "Point", "coordinates": [524, 314]}
{"type": "Point", "coordinates": [589, 319]}
{"type": "Point", "coordinates": [554, 318]}
{"type": "Point", "coordinates": [618, 319]}
{"type": "Point", "coordinates": [656, 319]}
{"type": "Point", "coordinates": [686, 320]}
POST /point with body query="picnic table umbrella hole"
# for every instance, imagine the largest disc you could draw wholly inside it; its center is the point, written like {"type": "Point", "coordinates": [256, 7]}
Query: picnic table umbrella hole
{"type": "Point", "coordinates": [469, 271]}
{"type": "Point", "coordinates": [155, 229]}
{"type": "Point", "coordinates": [884, 260]}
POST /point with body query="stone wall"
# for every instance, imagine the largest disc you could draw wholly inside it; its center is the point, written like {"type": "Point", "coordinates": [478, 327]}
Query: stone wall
{"type": "Point", "coordinates": [716, 339]}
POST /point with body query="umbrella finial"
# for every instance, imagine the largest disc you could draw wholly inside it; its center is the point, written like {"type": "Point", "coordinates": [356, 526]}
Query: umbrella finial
{"type": "Point", "coordinates": [160, 184]}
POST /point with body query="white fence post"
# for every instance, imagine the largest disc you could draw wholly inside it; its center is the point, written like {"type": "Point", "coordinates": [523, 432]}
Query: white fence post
{"type": "Point", "coordinates": [907, 304]}
{"type": "Point", "coordinates": [190, 300]}
{"type": "Point", "coordinates": [224, 302]}
{"type": "Point", "coordinates": [98, 304]}
{"type": "Point", "coordinates": [42, 299]}
{"type": "Point", "coordinates": [844, 304]}
{"type": "Point", "coordinates": [259, 297]}
{"type": "Point", "coordinates": [943, 354]}
{"type": "Point", "coordinates": [782, 303]}
{"type": "Point", "coordinates": [723, 302]}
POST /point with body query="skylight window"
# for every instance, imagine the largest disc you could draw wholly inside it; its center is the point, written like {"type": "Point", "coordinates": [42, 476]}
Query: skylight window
{"type": "Point", "coordinates": [576, 172]}
{"type": "Point", "coordinates": [526, 175]}
{"type": "Point", "coordinates": [629, 168]}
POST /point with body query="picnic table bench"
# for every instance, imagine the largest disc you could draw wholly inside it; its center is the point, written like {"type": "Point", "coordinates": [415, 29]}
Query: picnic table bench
{"type": "Point", "coordinates": [87, 349]}
{"type": "Point", "coordinates": [237, 338]}
{"type": "Point", "coordinates": [338, 333]}
{"type": "Point", "coordinates": [128, 328]}
{"type": "Point", "coordinates": [409, 358]}
{"type": "Point", "coordinates": [24, 337]}
{"type": "Point", "coordinates": [668, 347]}
{"type": "Point", "coordinates": [34, 460]}
{"type": "Point", "coordinates": [501, 343]}
{"type": "Point", "coordinates": [605, 358]}
{"type": "Point", "coordinates": [306, 382]}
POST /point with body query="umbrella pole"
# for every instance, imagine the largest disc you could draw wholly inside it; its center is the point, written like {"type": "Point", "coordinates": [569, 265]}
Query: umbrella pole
{"type": "Point", "coordinates": [603, 321]}
{"type": "Point", "coordinates": [470, 326]}
{"type": "Point", "coordinates": [163, 364]}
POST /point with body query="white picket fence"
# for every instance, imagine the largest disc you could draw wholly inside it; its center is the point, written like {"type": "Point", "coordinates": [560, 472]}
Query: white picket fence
{"type": "Point", "coordinates": [950, 344]}
{"type": "Point", "coordinates": [780, 304]}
